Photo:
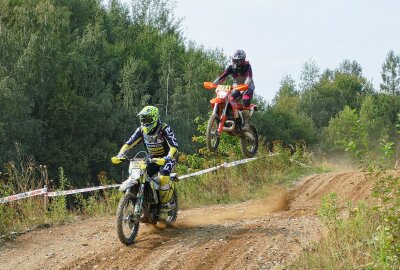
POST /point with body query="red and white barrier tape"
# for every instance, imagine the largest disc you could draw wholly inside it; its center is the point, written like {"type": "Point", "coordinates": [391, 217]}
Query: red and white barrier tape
{"type": "Point", "coordinates": [24, 195]}
{"type": "Point", "coordinates": [81, 190]}
{"type": "Point", "coordinates": [43, 191]}
{"type": "Point", "coordinates": [224, 165]}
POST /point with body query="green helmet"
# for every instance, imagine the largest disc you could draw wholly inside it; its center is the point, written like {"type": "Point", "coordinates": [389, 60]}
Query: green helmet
{"type": "Point", "coordinates": [148, 117]}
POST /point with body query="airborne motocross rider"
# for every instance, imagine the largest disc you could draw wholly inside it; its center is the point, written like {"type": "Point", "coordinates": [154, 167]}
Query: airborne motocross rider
{"type": "Point", "coordinates": [160, 142]}
{"type": "Point", "coordinates": [241, 72]}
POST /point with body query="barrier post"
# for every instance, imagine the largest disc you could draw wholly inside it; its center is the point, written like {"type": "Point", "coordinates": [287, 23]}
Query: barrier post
{"type": "Point", "coordinates": [45, 179]}
{"type": "Point", "coordinates": [45, 199]}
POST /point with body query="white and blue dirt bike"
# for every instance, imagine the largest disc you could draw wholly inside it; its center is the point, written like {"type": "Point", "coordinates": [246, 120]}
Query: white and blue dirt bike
{"type": "Point", "coordinates": [141, 202]}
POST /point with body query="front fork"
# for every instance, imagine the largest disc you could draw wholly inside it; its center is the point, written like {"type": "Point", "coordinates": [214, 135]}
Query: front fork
{"type": "Point", "coordinates": [222, 118]}
{"type": "Point", "coordinates": [139, 202]}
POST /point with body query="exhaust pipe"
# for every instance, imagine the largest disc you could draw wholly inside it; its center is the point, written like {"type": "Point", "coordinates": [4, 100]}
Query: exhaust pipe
{"type": "Point", "coordinates": [231, 126]}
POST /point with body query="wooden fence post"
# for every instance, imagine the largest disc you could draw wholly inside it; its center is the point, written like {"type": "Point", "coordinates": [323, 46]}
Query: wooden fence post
{"type": "Point", "coordinates": [45, 179]}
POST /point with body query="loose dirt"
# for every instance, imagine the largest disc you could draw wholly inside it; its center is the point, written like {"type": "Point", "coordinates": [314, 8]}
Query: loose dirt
{"type": "Point", "coordinates": [259, 234]}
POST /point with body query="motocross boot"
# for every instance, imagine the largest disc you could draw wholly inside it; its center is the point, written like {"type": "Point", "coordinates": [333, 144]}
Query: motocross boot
{"type": "Point", "coordinates": [245, 117]}
{"type": "Point", "coordinates": [166, 192]}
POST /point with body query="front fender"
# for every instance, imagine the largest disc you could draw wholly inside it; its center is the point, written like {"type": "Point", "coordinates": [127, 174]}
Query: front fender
{"type": "Point", "coordinates": [128, 183]}
{"type": "Point", "coordinates": [217, 101]}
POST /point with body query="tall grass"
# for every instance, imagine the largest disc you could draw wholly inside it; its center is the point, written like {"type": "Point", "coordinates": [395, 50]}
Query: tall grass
{"type": "Point", "coordinates": [21, 177]}
{"type": "Point", "coordinates": [251, 180]}
{"type": "Point", "coordinates": [20, 215]}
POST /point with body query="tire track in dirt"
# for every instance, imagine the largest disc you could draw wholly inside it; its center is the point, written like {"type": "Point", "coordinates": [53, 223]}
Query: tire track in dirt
{"type": "Point", "coordinates": [260, 234]}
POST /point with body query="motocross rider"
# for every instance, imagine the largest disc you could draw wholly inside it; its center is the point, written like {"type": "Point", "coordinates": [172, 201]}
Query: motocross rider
{"type": "Point", "coordinates": [241, 72]}
{"type": "Point", "coordinates": [160, 141]}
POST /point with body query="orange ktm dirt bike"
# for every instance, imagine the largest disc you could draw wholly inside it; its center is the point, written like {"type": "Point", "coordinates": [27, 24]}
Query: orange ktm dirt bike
{"type": "Point", "coordinates": [222, 120]}
{"type": "Point", "coordinates": [141, 202]}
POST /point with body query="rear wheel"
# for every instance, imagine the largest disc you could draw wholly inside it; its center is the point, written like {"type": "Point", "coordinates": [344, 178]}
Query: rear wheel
{"type": "Point", "coordinates": [249, 142]}
{"type": "Point", "coordinates": [212, 136]}
{"type": "Point", "coordinates": [127, 224]}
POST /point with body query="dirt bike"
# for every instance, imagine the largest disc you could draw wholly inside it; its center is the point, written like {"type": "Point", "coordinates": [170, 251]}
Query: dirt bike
{"type": "Point", "coordinates": [141, 201]}
{"type": "Point", "coordinates": [222, 120]}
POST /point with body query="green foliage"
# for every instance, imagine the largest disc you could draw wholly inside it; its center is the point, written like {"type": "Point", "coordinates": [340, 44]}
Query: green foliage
{"type": "Point", "coordinates": [22, 214]}
{"type": "Point", "coordinates": [329, 211]}
{"type": "Point", "coordinates": [240, 183]}
{"type": "Point", "coordinates": [228, 146]}
{"type": "Point", "coordinates": [348, 243]}
{"type": "Point", "coordinates": [391, 74]}
{"type": "Point", "coordinates": [74, 74]}
{"type": "Point", "coordinates": [335, 89]}
{"type": "Point", "coordinates": [369, 238]}
{"type": "Point", "coordinates": [58, 205]}
{"type": "Point", "coordinates": [20, 177]}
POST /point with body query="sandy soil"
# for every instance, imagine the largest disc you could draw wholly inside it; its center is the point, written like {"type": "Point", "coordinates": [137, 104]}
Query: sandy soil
{"type": "Point", "coordinates": [260, 234]}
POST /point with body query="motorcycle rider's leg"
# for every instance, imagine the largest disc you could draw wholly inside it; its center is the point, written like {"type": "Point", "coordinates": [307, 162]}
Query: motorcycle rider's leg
{"type": "Point", "coordinates": [166, 193]}
{"type": "Point", "coordinates": [246, 99]}
{"type": "Point", "coordinates": [232, 99]}
{"type": "Point", "coordinates": [166, 189]}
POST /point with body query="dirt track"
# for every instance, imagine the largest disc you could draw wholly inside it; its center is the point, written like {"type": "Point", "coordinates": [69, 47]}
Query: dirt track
{"type": "Point", "coordinates": [262, 234]}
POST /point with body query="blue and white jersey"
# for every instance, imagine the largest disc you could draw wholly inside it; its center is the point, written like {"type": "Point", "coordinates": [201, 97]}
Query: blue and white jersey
{"type": "Point", "coordinates": [158, 143]}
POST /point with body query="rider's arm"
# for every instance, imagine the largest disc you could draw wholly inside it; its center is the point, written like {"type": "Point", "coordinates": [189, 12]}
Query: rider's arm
{"type": "Point", "coordinates": [226, 73]}
{"type": "Point", "coordinates": [249, 78]}
{"type": "Point", "coordinates": [171, 140]}
{"type": "Point", "coordinates": [136, 138]}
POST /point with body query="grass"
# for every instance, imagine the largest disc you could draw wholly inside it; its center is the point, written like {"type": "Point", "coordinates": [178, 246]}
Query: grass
{"type": "Point", "coordinates": [251, 180]}
{"type": "Point", "coordinates": [21, 215]}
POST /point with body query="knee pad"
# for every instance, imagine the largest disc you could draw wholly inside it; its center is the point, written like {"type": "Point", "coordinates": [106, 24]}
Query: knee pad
{"type": "Point", "coordinates": [166, 189]}
{"type": "Point", "coordinates": [164, 180]}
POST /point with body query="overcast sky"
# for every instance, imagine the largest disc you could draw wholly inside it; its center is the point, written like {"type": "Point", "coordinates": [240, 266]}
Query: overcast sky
{"type": "Point", "coordinates": [280, 36]}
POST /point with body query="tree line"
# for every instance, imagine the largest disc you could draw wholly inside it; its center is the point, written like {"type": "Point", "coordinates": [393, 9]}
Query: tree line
{"type": "Point", "coordinates": [74, 74]}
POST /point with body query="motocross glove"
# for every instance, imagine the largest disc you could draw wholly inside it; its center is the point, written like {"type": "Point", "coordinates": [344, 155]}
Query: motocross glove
{"type": "Point", "coordinates": [118, 158]}
{"type": "Point", "coordinates": [161, 161]}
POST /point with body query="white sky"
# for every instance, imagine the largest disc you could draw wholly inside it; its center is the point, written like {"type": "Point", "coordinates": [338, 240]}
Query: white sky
{"type": "Point", "coordinates": [280, 36]}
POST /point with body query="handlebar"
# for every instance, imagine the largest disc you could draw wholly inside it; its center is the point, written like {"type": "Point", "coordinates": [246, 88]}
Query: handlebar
{"type": "Point", "coordinates": [147, 159]}
{"type": "Point", "coordinates": [239, 87]}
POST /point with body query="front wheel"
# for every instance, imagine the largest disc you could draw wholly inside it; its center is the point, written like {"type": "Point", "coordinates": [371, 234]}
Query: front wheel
{"type": "Point", "coordinates": [212, 136]}
{"type": "Point", "coordinates": [249, 142]}
{"type": "Point", "coordinates": [173, 213]}
{"type": "Point", "coordinates": [127, 224]}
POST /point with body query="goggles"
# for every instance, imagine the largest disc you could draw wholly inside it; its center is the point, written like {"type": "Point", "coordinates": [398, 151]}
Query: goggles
{"type": "Point", "coordinates": [146, 119]}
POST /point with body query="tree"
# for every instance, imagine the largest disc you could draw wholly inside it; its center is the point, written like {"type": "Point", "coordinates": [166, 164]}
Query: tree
{"type": "Point", "coordinates": [287, 89]}
{"type": "Point", "coordinates": [390, 86]}
{"type": "Point", "coordinates": [309, 75]}
{"type": "Point", "coordinates": [334, 90]}
{"type": "Point", "coordinates": [391, 74]}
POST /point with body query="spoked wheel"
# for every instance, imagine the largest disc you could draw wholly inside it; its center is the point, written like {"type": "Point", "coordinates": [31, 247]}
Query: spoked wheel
{"type": "Point", "coordinates": [173, 214]}
{"type": "Point", "coordinates": [212, 136]}
{"type": "Point", "coordinates": [127, 224]}
{"type": "Point", "coordinates": [249, 142]}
